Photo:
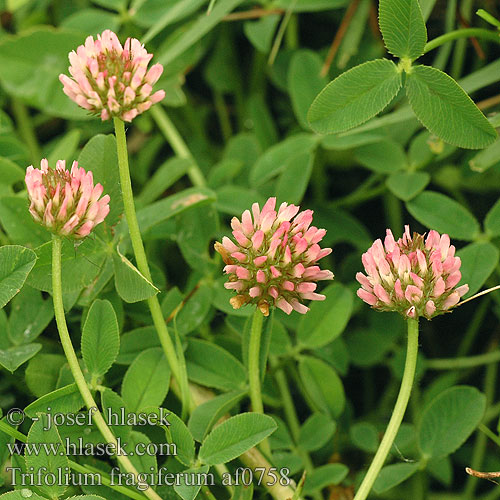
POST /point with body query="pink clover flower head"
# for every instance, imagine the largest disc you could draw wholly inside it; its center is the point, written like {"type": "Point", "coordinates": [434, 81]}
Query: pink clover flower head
{"type": "Point", "coordinates": [66, 202]}
{"type": "Point", "coordinates": [273, 260]}
{"type": "Point", "coordinates": [110, 80]}
{"type": "Point", "coordinates": [415, 275]}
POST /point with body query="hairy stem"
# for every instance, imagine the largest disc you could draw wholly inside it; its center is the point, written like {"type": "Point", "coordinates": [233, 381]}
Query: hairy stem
{"type": "Point", "coordinates": [138, 246]}
{"type": "Point", "coordinates": [75, 366]}
{"type": "Point", "coordinates": [397, 414]}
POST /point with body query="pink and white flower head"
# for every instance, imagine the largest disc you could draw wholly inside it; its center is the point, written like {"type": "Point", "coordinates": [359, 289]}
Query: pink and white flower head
{"type": "Point", "coordinates": [413, 276]}
{"type": "Point", "coordinates": [273, 261]}
{"type": "Point", "coordinates": [110, 80]}
{"type": "Point", "coordinates": [66, 203]}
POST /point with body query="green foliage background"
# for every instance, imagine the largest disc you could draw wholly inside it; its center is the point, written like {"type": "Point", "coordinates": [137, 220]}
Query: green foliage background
{"type": "Point", "coordinates": [239, 86]}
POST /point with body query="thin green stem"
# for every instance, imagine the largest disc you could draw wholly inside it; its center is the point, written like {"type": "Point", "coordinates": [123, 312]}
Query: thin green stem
{"type": "Point", "coordinates": [10, 431]}
{"type": "Point", "coordinates": [4, 240]}
{"type": "Point", "coordinates": [489, 433]}
{"type": "Point", "coordinates": [441, 58]}
{"type": "Point", "coordinates": [208, 494]}
{"type": "Point", "coordinates": [254, 369]}
{"type": "Point", "coordinates": [494, 494]}
{"type": "Point", "coordinates": [394, 211]}
{"type": "Point", "coordinates": [254, 362]}
{"type": "Point", "coordinates": [279, 35]}
{"type": "Point", "coordinates": [460, 49]}
{"type": "Point", "coordinates": [178, 145]}
{"type": "Point", "coordinates": [462, 33]}
{"type": "Point", "coordinates": [492, 413]}
{"type": "Point", "coordinates": [288, 406]}
{"type": "Point", "coordinates": [223, 115]}
{"type": "Point", "coordinates": [293, 421]}
{"type": "Point", "coordinates": [292, 32]}
{"type": "Point", "coordinates": [474, 325]}
{"type": "Point", "coordinates": [481, 440]}
{"type": "Point", "coordinates": [26, 130]}
{"type": "Point", "coordinates": [466, 362]}
{"type": "Point", "coordinates": [397, 414]}
{"type": "Point", "coordinates": [75, 366]}
{"type": "Point", "coordinates": [361, 193]}
{"type": "Point", "coordinates": [138, 246]}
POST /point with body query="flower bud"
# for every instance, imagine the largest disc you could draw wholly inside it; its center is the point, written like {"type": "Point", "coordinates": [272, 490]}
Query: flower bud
{"type": "Point", "coordinates": [66, 203]}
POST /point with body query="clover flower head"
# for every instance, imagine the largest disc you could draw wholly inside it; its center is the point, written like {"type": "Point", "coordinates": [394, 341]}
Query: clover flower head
{"type": "Point", "coordinates": [65, 202]}
{"type": "Point", "coordinates": [110, 80]}
{"type": "Point", "coordinates": [273, 261]}
{"type": "Point", "coordinates": [415, 276]}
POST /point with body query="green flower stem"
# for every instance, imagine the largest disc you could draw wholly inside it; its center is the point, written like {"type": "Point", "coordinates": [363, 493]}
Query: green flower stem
{"type": "Point", "coordinates": [10, 431]}
{"type": "Point", "coordinates": [222, 113]}
{"type": "Point", "coordinates": [178, 145]}
{"type": "Point", "coordinates": [466, 362]}
{"type": "Point", "coordinates": [26, 130]}
{"type": "Point", "coordinates": [397, 414]}
{"type": "Point", "coordinates": [138, 246]}
{"type": "Point", "coordinates": [292, 32]}
{"type": "Point", "coordinates": [464, 8]}
{"type": "Point", "coordinates": [254, 369]}
{"type": "Point", "coordinates": [463, 33]}
{"type": "Point", "coordinates": [492, 413]}
{"type": "Point", "coordinates": [474, 326]}
{"type": "Point", "coordinates": [103, 477]}
{"type": "Point", "coordinates": [293, 421]}
{"type": "Point", "coordinates": [75, 366]}
{"type": "Point", "coordinates": [280, 34]}
{"type": "Point", "coordinates": [359, 196]}
{"type": "Point", "coordinates": [489, 433]}
{"type": "Point", "coordinates": [288, 406]}
{"type": "Point", "coordinates": [394, 210]}
{"type": "Point", "coordinates": [253, 362]}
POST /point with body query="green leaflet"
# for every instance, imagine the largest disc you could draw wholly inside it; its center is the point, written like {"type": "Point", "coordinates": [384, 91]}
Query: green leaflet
{"type": "Point", "coordinates": [450, 419]}
{"type": "Point", "coordinates": [147, 380]}
{"type": "Point", "coordinates": [403, 27]}
{"type": "Point", "coordinates": [235, 436]}
{"type": "Point", "coordinates": [445, 215]}
{"type": "Point", "coordinates": [394, 474]}
{"type": "Point", "coordinates": [16, 262]}
{"type": "Point", "coordinates": [479, 259]}
{"type": "Point", "coordinates": [354, 97]}
{"type": "Point", "coordinates": [446, 110]}
{"type": "Point", "coordinates": [100, 338]}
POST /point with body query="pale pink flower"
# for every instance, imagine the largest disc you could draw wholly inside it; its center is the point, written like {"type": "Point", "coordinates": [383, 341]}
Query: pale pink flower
{"type": "Point", "coordinates": [66, 203]}
{"type": "Point", "coordinates": [111, 80]}
{"type": "Point", "coordinates": [274, 259]}
{"type": "Point", "coordinates": [413, 276]}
